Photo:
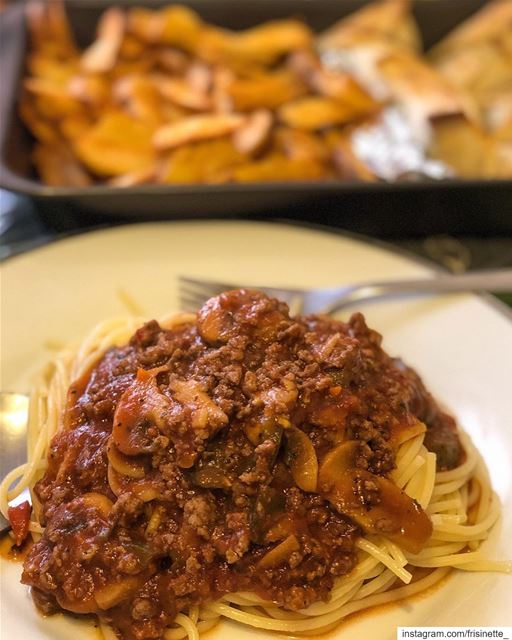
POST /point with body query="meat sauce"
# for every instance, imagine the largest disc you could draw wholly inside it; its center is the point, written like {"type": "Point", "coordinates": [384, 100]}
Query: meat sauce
{"type": "Point", "coordinates": [246, 451]}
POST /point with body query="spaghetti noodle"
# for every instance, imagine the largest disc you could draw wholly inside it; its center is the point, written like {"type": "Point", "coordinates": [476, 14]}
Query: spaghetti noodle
{"type": "Point", "coordinates": [459, 501]}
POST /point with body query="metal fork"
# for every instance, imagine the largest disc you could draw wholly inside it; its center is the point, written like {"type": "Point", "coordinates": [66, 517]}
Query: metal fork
{"type": "Point", "coordinates": [193, 292]}
{"type": "Point", "coordinates": [13, 441]}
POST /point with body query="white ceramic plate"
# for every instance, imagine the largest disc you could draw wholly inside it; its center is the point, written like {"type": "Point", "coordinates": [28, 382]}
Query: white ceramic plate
{"type": "Point", "coordinates": [461, 345]}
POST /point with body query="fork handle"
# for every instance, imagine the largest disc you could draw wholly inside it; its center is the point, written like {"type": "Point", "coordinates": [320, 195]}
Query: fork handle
{"type": "Point", "coordinates": [496, 280]}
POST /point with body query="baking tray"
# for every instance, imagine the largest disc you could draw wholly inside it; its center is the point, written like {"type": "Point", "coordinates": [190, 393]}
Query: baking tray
{"type": "Point", "coordinates": [453, 206]}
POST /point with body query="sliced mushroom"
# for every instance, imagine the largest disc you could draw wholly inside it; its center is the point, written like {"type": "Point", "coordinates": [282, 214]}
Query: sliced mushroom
{"type": "Point", "coordinates": [145, 488]}
{"type": "Point", "coordinates": [141, 404]}
{"type": "Point", "coordinates": [262, 429]}
{"type": "Point", "coordinates": [114, 593]}
{"type": "Point", "coordinates": [211, 477]}
{"type": "Point", "coordinates": [300, 456]}
{"type": "Point", "coordinates": [268, 510]}
{"type": "Point", "coordinates": [339, 460]}
{"type": "Point", "coordinates": [280, 554]}
{"type": "Point", "coordinates": [281, 529]}
{"type": "Point", "coordinates": [125, 465]}
{"type": "Point", "coordinates": [114, 481]}
{"type": "Point", "coordinates": [146, 491]}
{"type": "Point", "coordinates": [390, 512]}
{"type": "Point", "coordinates": [97, 501]}
{"type": "Point", "coordinates": [204, 413]}
{"type": "Point", "coordinates": [394, 514]}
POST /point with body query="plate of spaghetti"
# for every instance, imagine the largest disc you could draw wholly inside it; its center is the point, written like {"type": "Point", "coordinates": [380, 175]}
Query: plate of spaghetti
{"type": "Point", "coordinates": [245, 470]}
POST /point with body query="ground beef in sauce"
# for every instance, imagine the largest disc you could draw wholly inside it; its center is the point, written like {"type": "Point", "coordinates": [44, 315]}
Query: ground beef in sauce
{"type": "Point", "coordinates": [173, 479]}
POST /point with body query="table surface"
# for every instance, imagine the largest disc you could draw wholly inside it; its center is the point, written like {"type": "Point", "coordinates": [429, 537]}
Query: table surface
{"type": "Point", "coordinates": [22, 229]}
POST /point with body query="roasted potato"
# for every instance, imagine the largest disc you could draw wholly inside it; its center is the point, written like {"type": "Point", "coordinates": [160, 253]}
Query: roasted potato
{"type": "Point", "coordinates": [203, 162]}
{"type": "Point", "coordinates": [117, 144]}
{"type": "Point", "coordinates": [314, 112]}
{"type": "Point", "coordinates": [163, 96]}
{"type": "Point", "coordinates": [58, 167]}
{"type": "Point", "coordinates": [277, 167]}
{"type": "Point", "coordinates": [265, 90]}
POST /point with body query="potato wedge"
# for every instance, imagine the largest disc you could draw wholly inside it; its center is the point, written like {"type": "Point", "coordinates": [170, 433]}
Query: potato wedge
{"type": "Point", "coordinates": [265, 90]}
{"type": "Point", "coordinates": [208, 161]}
{"type": "Point", "coordinates": [161, 95]}
{"type": "Point", "coordinates": [348, 165]}
{"type": "Point", "coordinates": [49, 28]}
{"type": "Point", "coordinates": [58, 167]}
{"type": "Point", "coordinates": [40, 127]}
{"type": "Point", "coordinates": [199, 77]}
{"type": "Point", "coordinates": [131, 47]}
{"type": "Point", "coordinates": [263, 44]}
{"type": "Point", "coordinates": [504, 131]}
{"type": "Point", "coordinates": [52, 101]}
{"type": "Point", "coordinates": [503, 154]}
{"type": "Point", "coordinates": [222, 79]}
{"type": "Point", "coordinates": [180, 92]}
{"type": "Point", "coordinates": [254, 133]}
{"type": "Point", "coordinates": [73, 126]}
{"type": "Point", "coordinates": [331, 84]}
{"type": "Point", "coordinates": [277, 167]}
{"type": "Point", "coordinates": [196, 128]}
{"type": "Point", "coordinates": [126, 67]}
{"type": "Point", "coordinates": [175, 25]}
{"type": "Point", "coordinates": [170, 59]}
{"type": "Point", "coordinates": [142, 176]}
{"type": "Point", "coordinates": [140, 98]}
{"type": "Point", "coordinates": [301, 145]}
{"type": "Point", "coordinates": [116, 145]}
{"type": "Point", "coordinates": [102, 54]}
{"type": "Point", "coordinates": [92, 90]}
{"type": "Point", "coordinates": [145, 24]}
{"type": "Point", "coordinates": [58, 72]}
{"type": "Point", "coordinates": [313, 113]}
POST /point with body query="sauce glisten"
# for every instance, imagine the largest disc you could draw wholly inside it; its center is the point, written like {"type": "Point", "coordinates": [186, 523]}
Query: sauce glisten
{"type": "Point", "coordinates": [246, 451]}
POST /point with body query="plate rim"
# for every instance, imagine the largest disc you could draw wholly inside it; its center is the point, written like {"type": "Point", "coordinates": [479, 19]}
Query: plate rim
{"type": "Point", "coordinates": [379, 243]}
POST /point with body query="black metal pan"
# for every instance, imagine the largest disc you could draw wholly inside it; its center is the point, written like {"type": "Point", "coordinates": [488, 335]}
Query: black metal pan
{"type": "Point", "coordinates": [462, 206]}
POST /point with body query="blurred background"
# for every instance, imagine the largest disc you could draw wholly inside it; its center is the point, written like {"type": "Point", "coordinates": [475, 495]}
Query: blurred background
{"type": "Point", "coordinates": [391, 119]}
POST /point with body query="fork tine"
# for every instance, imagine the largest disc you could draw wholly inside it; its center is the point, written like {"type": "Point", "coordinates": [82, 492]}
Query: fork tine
{"type": "Point", "coordinates": [189, 303]}
{"type": "Point", "coordinates": [191, 300]}
{"type": "Point", "coordinates": [199, 293]}
{"type": "Point", "coordinates": [207, 286]}
{"type": "Point", "coordinates": [194, 292]}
